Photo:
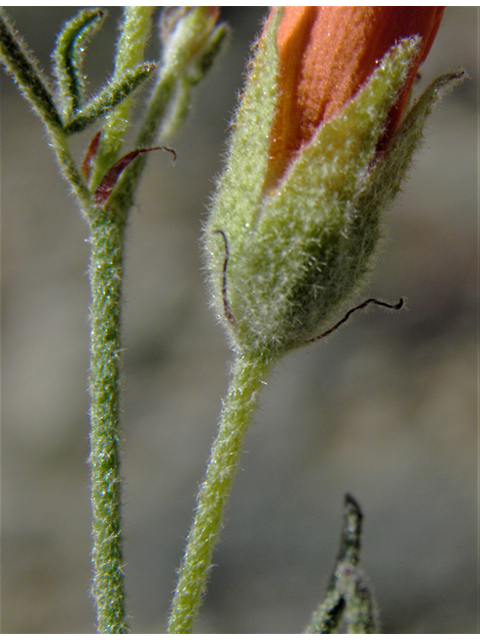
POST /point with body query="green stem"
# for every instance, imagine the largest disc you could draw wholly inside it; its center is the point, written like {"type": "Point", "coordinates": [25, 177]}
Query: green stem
{"type": "Point", "coordinates": [25, 70]}
{"type": "Point", "coordinates": [157, 107]}
{"type": "Point", "coordinates": [135, 30]}
{"type": "Point", "coordinates": [248, 375]}
{"type": "Point", "coordinates": [106, 280]}
{"type": "Point", "coordinates": [58, 141]}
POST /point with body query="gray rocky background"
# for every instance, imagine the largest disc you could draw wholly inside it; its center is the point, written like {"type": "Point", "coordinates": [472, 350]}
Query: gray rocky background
{"type": "Point", "coordinates": [386, 408]}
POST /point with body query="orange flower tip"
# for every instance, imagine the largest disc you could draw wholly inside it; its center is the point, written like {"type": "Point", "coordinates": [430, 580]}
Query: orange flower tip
{"type": "Point", "coordinates": [326, 54]}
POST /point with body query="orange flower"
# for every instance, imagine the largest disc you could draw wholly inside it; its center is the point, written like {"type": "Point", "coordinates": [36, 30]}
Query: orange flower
{"type": "Point", "coordinates": [326, 54]}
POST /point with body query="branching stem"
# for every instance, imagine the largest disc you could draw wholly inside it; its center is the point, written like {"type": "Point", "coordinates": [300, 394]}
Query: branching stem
{"type": "Point", "coordinates": [106, 205]}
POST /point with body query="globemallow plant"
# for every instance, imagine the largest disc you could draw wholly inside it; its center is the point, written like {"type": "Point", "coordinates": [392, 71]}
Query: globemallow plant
{"type": "Point", "coordinates": [321, 141]}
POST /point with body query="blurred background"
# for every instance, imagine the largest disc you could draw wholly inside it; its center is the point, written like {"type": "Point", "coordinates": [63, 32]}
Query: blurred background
{"type": "Point", "coordinates": [385, 409]}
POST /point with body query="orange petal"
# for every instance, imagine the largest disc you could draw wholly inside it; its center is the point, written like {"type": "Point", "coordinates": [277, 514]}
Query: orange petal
{"type": "Point", "coordinates": [327, 53]}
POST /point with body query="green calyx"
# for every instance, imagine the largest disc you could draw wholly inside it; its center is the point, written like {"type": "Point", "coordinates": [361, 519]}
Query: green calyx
{"type": "Point", "coordinates": [287, 260]}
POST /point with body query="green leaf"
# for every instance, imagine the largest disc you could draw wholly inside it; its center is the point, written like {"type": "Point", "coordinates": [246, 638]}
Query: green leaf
{"type": "Point", "coordinates": [109, 97]}
{"type": "Point", "coordinates": [25, 70]}
{"type": "Point", "coordinates": [68, 57]}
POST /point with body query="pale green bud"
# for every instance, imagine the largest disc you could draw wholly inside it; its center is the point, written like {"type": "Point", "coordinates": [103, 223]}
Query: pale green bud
{"type": "Point", "coordinates": [282, 259]}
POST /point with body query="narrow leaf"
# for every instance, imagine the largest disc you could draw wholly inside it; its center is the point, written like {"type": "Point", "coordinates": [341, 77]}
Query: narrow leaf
{"type": "Point", "coordinates": [109, 97]}
{"type": "Point", "coordinates": [89, 158]}
{"type": "Point", "coordinates": [25, 70]}
{"type": "Point", "coordinates": [110, 179]}
{"type": "Point", "coordinates": [68, 57]}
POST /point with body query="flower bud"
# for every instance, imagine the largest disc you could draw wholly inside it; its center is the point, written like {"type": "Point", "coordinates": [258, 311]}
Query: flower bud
{"type": "Point", "coordinates": [191, 38]}
{"type": "Point", "coordinates": [317, 152]}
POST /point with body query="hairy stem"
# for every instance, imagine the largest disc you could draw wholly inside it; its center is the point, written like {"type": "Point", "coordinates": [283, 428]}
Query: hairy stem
{"type": "Point", "coordinates": [248, 375]}
{"type": "Point", "coordinates": [58, 140]}
{"type": "Point", "coordinates": [135, 29]}
{"type": "Point", "coordinates": [157, 107]}
{"type": "Point", "coordinates": [106, 281]}
{"type": "Point", "coordinates": [25, 70]}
